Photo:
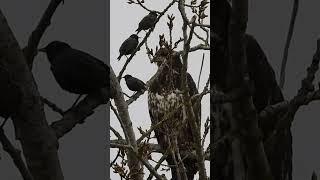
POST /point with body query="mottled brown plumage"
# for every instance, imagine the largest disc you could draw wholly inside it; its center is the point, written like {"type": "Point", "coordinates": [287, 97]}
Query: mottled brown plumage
{"type": "Point", "coordinates": [164, 96]}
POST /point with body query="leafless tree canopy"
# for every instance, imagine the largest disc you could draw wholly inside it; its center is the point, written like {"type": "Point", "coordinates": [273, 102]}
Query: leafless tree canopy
{"type": "Point", "coordinates": [251, 137]}
{"type": "Point", "coordinates": [176, 122]}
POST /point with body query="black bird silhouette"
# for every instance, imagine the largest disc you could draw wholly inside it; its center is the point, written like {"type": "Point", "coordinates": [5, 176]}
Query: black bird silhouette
{"type": "Point", "coordinates": [134, 84]}
{"type": "Point", "coordinates": [128, 46]}
{"type": "Point", "coordinates": [147, 22]}
{"type": "Point", "coordinates": [10, 96]}
{"type": "Point", "coordinates": [76, 71]}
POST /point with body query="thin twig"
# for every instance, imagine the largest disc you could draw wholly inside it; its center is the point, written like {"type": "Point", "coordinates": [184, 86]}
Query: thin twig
{"type": "Point", "coordinates": [143, 41]}
{"type": "Point", "coordinates": [159, 163]}
{"type": "Point", "coordinates": [167, 117]}
{"type": "Point", "coordinates": [144, 7]}
{"type": "Point", "coordinates": [30, 51]}
{"type": "Point", "coordinates": [115, 159]}
{"type": "Point", "coordinates": [206, 131]}
{"type": "Point", "coordinates": [116, 133]}
{"type": "Point", "coordinates": [147, 165]}
{"type": "Point", "coordinates": [53, 106]}
{"type": "Point", "coordinates": [286, 49]}
{"type": "Point", "coordinates": [200, 71]}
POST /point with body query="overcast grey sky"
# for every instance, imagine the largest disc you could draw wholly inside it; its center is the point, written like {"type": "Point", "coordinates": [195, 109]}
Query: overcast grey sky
{"type": "Point", "coordinates": [268, 22]}
{"type": "Point", "coordinates": [83, 25]}
{"type": "Point", "coordinates": [124, 22]}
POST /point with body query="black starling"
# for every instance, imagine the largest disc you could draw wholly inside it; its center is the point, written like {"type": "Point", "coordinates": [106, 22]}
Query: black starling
{"type": "Point", "coordinates": [135, 84]}
{"type": "Point", "coordinates": [147, 22]}
{"type": "Point", "coordinates": [76, 71]}
{"type": "Point", "coordinates": [10, 95]}
{"type": "Point", "coordinates": [128, 46]}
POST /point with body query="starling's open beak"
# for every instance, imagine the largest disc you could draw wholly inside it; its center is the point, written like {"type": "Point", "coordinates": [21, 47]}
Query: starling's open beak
{"type": "Point", "coordinates": [42, 50]}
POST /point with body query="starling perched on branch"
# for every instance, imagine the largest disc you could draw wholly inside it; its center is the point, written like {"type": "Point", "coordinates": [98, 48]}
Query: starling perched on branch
{"type": "Point", "coordinates": [147, 22]}
{"type": "Point", "coordinates": [10, 96]}
{"type": "Point", "coordinates": [128, 46]}
{"type": "Point", "coordinates": [76, 71]}
{"type": "Point", "coordinates": [135, 84]}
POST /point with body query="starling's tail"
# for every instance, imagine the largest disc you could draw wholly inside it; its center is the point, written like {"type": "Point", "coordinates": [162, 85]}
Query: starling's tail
{"type": "Point", "coordinates": [119, 57]}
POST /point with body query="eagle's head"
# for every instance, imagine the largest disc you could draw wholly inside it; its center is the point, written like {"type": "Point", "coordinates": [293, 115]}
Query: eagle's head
{"type": "Point", "coordinates": [169, 77]}
{"type": "Point", "coordinates": [170, 58]}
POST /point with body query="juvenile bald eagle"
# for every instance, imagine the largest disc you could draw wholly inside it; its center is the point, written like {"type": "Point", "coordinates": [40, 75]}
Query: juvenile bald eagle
{"type": "Point", "coordinates": [164, 96]}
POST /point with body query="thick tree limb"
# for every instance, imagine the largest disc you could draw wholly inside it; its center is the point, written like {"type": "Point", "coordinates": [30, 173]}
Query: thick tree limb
{"type": "Point", "coordinates": [79, 113]}
{"type": "Point", "coordinates": [133, 163]}
{"type": "Point", "coordinates": [15, 154]}
{"type": "Point", "coordinates": [244, 110]}
{"type": "Point", "coordinates": [38, 141]}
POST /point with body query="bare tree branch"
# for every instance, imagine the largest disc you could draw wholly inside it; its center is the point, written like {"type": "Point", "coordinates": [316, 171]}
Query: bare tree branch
{"type": "Point", "coordinates": [148, 165]}
{"type": "Point", "coordinates": [146, 134]}
{"type": "Point", "coordinates": [36, 137]}
{"type": "Point", "coordinates": [163, 158]}
{"type": "Point", "coordinates": [15, 154]}
{"type": "Point", "coordinates": [142, 5]}
{"type": "Point", "coordinates": [30, 51]}
{"type": "Point", "coordinates": [192, 119]}
{"type": "Point", "coordinates": [116, 133]}
{"type": "Point", "coordinates": [305, 95]}
{"type": "Point", "coordinates": [196, 48]}
{"type": "Point", "coordinates": [200, 71]}
{"type": "Point", "coordinates": [287, 46]}
{"type": "Point", "coordinates": [156, 148]}
{"type": "Point", "coordinates": [53, 106]}
{"type": "Point", "coordinates": [144, 40]}
{"type": "Point", "coordinates": [133, 163]}
{"type": "Point", "coordinates": [257, 162]}
{"type": "Point", "coordinates": [79, 113]}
